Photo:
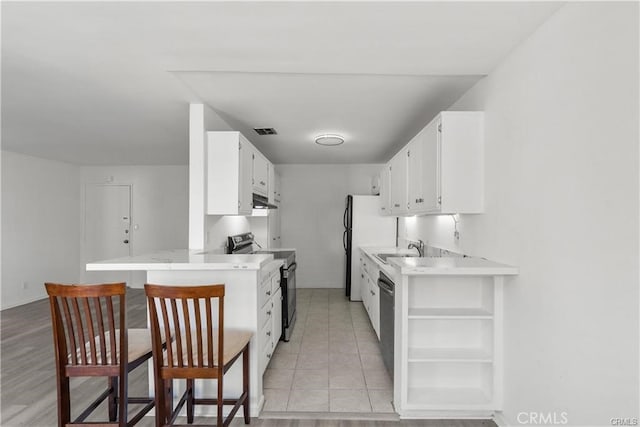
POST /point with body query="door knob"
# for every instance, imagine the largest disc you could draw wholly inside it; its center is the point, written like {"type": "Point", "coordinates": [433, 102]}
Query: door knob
{"type": "Point", "coordinates": [125, 241]}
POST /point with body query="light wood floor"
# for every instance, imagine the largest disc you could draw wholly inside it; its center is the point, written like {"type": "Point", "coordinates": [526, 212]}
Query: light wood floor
{"type": "Point", "coordinates": [27, 377]}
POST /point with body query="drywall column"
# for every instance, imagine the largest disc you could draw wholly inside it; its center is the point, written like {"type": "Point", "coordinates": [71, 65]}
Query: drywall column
{"type": "Point", "coordinates": [197, 188]}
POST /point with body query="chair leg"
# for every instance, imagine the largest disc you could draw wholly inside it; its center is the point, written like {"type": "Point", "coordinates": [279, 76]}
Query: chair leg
{"type": "Point", "coordinates": [245, 384]}
{"type": "Point", "coordinates": [168, 404]}
{"type": "Point", "coordinates": [160, 397]}
{"type": "Point", "coordinates": [113, 398]}
{"type": "Point", "coordinates": [122, 402]}
{"type": "Point", "coordinates": [64, 401]}
{"type": "Point", "coordinates": [190, 399]}
{"type": "Point", "coordinates": [220, 401]}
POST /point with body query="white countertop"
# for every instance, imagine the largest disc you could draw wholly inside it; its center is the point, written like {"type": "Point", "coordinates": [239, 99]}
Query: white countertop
{"type": "Point", "coordinates": [438, 266]}
{"type": "Point", "coordinates": [451, 266]}
{"type": "Point", "coordinates": [183, 259]}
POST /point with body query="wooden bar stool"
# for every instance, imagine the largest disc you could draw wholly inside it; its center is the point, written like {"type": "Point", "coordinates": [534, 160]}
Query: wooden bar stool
{"type": "Point", "coordinates": [201, 349]}
{"type": "Point", "coordinates": [91, 340]}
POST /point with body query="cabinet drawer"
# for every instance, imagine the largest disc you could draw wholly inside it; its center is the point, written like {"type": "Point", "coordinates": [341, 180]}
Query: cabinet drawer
{"type": "Point", "coordinates": [265, 356]}
{"type": "Point", "coordinates": [275, 282]}
{"type": "Point", "coordinates": [266, 344]}
{"type": "Point", "coordinates": [264, 292]}
{"type": "Point", "coordinates": [266, 333]}
{"type": "Point", "coordinates": [265, 313]}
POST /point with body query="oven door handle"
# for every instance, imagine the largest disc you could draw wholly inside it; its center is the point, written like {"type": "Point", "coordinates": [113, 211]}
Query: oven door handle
{"type": "Point", "coordinates": [292, 267]}
{"type": "Point", "coordinates": [384, 287]}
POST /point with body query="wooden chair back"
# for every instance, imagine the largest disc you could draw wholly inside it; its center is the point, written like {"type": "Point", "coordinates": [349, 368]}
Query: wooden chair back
{"type": "Point", "coordinates": [89, 329]}
{"type": "Point", "coordinates": [188, 315]}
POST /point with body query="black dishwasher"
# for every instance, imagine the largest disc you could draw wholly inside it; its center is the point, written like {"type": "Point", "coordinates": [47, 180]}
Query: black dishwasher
{"type": "Point", "coordinates": [387, 316]}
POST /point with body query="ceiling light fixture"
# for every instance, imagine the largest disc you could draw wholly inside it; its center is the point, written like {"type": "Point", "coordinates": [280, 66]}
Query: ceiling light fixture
{"type": "Point", "coordinates": [329, 139]}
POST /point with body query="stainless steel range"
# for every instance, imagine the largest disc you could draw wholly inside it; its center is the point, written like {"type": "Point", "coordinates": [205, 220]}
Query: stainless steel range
{"type": "Point", "coordinates": [244, 244]}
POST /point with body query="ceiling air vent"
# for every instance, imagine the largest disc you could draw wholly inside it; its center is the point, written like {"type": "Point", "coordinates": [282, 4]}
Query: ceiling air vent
{"type": "Point", "coordinates": [265, 131]}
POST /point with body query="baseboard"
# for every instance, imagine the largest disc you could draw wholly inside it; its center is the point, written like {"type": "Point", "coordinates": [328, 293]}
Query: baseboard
{"type": "Point", "coordinates": [499, 419]}
{"type": "Point", "coordinates": [351, 416]}
{"type": "Point", "coordinates": [28, 301]}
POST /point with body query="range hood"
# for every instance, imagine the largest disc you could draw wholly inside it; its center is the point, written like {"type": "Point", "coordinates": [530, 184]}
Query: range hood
{"type": "Point", "coordinates": [261, 202]}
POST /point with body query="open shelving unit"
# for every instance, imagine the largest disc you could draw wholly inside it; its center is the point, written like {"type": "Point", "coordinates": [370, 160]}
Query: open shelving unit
{"type": "Point", "coordinates": [451, 344]}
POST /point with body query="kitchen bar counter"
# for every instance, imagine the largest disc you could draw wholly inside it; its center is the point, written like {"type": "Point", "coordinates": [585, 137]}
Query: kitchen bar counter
{"type": "Point", "coordinates": [243, 276]}
{"type": "Point", "coordinates": [182, 259]}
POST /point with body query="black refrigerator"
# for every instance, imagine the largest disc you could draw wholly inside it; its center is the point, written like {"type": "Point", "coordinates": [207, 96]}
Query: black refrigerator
{"type": "Point", "coordinates": [347, 219]}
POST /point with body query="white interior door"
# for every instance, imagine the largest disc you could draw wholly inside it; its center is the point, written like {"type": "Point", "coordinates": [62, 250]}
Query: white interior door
{"type": "Point", "coordinates": [107, 228]}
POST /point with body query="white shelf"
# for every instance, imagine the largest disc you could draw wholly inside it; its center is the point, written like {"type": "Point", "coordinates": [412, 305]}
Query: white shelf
{"type": "Point", "coordinates": [449, 313]}
{"type": "Point", "coordinates": [451, 397]}
{"type": "Point", "coordinates": [417, 355]}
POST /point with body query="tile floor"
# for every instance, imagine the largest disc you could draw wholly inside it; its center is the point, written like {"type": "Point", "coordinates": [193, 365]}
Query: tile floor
{"type": "Point", "coordinates": [332, 363]}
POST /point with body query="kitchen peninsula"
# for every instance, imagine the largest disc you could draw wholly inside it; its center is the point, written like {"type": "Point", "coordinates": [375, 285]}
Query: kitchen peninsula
{"type": "Point", "coordinates": [252, 301]}
{"type": "Point", "coordinates": [447, 313]}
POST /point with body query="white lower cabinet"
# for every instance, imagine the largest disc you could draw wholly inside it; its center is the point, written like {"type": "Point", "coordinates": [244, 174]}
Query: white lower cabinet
{"type": "Point", "coordinates": [450, 348]}
{"type": "Point", "coordinates": [269, 317]}
{"type": "Point", "coordinates": [370, 297]}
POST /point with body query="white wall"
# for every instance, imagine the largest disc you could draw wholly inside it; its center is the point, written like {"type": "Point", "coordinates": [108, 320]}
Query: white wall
{"type": "Point", "coordinates": [313, 201]}
{"type": "Point", "coordinates": [219, 227]}
{"type": "Point", "coordinates": [562, 204]}
{"type": "Point", "coordinates": [159, 210]}
{"type": "Point", "coordinates": [40, 226]}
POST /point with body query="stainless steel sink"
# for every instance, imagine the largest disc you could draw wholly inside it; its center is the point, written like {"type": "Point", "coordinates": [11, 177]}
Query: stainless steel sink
{"type": "Point", "coordinates": [383, 257]}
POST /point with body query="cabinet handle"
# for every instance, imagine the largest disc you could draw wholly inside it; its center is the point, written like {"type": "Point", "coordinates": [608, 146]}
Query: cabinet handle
{"type": "Point", "coordinates": [263, 183]}
{"type": "Point", "coordinates": [269, 313]}
{"type": "Point", "coordinates": [396, 205]}
{"type": "Point", "coordinates": [362, 275]}
{"type": "Point", "coordinates": [269, 333]}
{"type": "Point", "coordinates": [383, 209]}
{"type": "Point", "coordinates": [268, 292]}
{"type": "Point", "coordinates": [372, 293]}
{"type": "Point", "coordinates": [268, 355]}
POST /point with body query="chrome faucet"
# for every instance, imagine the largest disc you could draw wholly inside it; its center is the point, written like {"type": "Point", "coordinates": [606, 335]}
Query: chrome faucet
{"type": "Point", "coordinates": [419, 245]}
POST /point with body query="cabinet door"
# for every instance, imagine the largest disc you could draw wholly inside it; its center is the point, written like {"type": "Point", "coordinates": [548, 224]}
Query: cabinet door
{"type": "Point", "coordinates": [277, 187]}
{"type": "Point", "coordinates": [431, 167]}
{"type": "Point", "coordinates": [374, 313]}
{"type": "Point", "coordinates": [260, 175]}
{"type": "Point", "coordinates": [273, 228]}
{"type": "Point", "coordinates": [228, 170]}
{"type": "Point", "coordinates": [399, 183]}
{"type": "Point", "coordinates": [415, 172]}
{"type": "Point", "coordinates": [385, 190]}
{"type": "Point", "coordinates": [276, 317]}
{"type": "Point", "coordinates": [364, 288]}
{"type": "Point", "coordinates": [245, 198]}
{"type": "Point", "coordinates": [271, 183]}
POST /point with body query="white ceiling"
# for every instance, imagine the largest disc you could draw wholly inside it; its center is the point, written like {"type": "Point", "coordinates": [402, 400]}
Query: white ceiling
{"type": "Point", "coordinates": [110, 82]}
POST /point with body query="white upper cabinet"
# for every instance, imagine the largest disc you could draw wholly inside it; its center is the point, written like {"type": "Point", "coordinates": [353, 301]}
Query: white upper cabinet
{"type": "Point", "coordinates": [230, 171]}
{"type": "Point", "coordinates": [415, 170]}
{"type": "Point", "coordinates": [260, 174]}
{"type": "Point", "coordinates": [272, 184]}
{"type": "Point", "coordinates": [385, 190]}
{"type": "Point", "coordinates": [277, 189]}
{"type": "Point", "coordinates": [454, 143]}
{"type": "Point", "coordinates": [443, 168]}
{"type": "Point", "coordinates": [274, 239]}
{"type": "Point", "coordinates": [398, 178]}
